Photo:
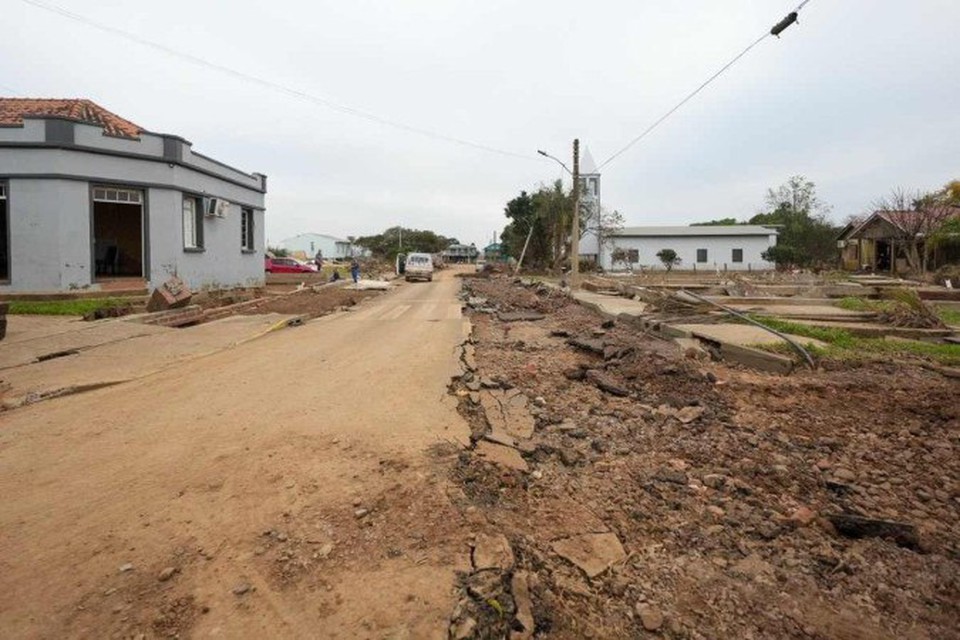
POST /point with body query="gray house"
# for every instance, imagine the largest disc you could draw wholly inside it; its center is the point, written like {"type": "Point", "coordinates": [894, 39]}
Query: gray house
{"type": "Point", "coordinates": [89, 200]}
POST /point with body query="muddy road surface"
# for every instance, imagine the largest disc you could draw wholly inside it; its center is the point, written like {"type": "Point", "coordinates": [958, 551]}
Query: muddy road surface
{"type": "Point", "coordinates": [284, 488]}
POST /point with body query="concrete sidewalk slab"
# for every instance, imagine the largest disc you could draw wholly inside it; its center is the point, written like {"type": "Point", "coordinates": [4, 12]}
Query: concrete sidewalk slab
{"type": "Point", "coordinates": [131, 358]}
{"type": "Point", "coordinates": [610, 306]}
{"type": "Point", "coordinates": [33, 337]}
{"type": "Point", "coordinates": [741, 334]}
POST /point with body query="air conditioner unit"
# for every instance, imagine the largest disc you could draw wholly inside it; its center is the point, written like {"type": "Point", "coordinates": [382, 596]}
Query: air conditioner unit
{"type": "Point", "coordinates": [217, 207]}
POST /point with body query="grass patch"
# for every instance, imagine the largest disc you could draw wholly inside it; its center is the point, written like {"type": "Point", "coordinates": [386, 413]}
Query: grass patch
{"type": "Point", "coordinates": [949, 316]}
{"type": "Point", "coordinates": [843, 345]}
{"type": "Point", "coordinates": [864, 305]}
{"type": "Point", "coordinates": [830, 335]}
{"type": "Point", "coordinates": [64, 307]}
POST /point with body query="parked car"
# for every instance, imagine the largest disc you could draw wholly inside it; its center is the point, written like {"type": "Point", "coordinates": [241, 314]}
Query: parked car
{"type": "Point", "coordinates": [286, 265]}
{"type": "Point", "coordinates": [418, 266]}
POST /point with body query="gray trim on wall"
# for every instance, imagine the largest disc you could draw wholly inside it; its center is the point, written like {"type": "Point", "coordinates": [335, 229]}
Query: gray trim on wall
{"type": "Point", "coordinates": [9, 278]}
{"type": "Point", "coordinates": [130, 183]}
{"type": "Point", "coordinates": [140, 156]}
{"type": "Point", "coordinates": [59, 131]}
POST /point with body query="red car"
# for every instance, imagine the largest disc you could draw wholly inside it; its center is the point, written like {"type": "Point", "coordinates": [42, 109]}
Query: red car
{"type": "Point", "coordinates": [287, 265]}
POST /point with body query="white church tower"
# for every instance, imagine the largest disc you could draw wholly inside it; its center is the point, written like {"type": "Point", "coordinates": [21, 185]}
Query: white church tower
{"type": "Point", "coordinates": [590, 248]}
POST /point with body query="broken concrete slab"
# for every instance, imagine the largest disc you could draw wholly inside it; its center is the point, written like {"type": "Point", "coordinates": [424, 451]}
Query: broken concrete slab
{"type": "Point", "coordinates": [492, 552]}
{"type": "Point", "coordinates": [500, 455]}
{"type": "Point", "coordinates": [605, 383]}
{"type": "Point", "coordinates": [588, 345]}
{"type": "Point", "coordinates": [520, 588]}
{"type": "Point", "coordinates": [520, 316]}
{"type": "Point", "coordinates": [756, 359]}
{"type": "Point", "coordinates": [592, 553]}
{"type": "Point", "coordinates": [508, 413]}
{"type": "Point", "coordinates": [172, 294]}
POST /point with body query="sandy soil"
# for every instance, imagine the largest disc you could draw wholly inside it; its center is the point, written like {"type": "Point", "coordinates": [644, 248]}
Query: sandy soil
{"type": "Point", "coordinates": [285, 488]}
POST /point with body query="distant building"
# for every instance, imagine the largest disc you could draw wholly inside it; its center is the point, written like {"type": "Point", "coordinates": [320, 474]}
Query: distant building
{"type": "Point", "coordinates": [332, 247]}
{"type": "Point", "coordinates": [729, 247]}
{"type": "Point", "coordinates": [88, 198]}
{"type": "Point", "coordinates": [460, 253]}
{"type": "Point", "coordinates": [495, 252]}
{"type": "Point", "coordinates": [877, 242]}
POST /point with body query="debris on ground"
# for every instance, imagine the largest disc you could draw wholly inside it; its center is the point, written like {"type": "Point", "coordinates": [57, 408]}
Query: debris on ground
{"type": "Point", "coordinates": [668, 494]}
{"type": "Point", "coordinates": [310, 302]}
{"type": "Point", "coordinates": [172, 294]}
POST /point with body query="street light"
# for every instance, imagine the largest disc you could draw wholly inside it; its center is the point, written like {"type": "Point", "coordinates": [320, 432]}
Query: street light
{"type": "Point", "coordinates": [575, 231]}
{"type": "Point", "coordinates": [557, 160]}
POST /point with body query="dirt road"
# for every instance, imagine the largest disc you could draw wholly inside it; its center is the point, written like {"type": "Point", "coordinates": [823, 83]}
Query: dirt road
{"type": "Point", "coordinates": [285, 488]}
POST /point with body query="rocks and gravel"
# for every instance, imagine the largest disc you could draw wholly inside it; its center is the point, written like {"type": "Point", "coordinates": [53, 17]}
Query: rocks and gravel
{"type": "Point", "coordinates": [825, 504]}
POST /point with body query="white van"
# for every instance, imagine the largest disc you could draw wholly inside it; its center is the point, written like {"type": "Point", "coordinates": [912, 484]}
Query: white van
{"type": "Point", "coordinates": [418, 266]}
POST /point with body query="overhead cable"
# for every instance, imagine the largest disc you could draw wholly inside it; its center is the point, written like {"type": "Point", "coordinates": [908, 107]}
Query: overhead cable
{"type": "Point", "coordinates": [303, 95]}
{"type": "Point", "coordinates": [775, 31]}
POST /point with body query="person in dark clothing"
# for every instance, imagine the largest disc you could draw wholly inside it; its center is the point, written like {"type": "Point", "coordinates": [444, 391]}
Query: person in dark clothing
{"type": "Point", "coordinates": [336, 275]}
{"type": "Point", "coordinates": [355, 271]}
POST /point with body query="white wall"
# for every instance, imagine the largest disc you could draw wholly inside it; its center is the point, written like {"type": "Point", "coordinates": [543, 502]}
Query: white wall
{"type": "Point", "coordinates": [719, 251]}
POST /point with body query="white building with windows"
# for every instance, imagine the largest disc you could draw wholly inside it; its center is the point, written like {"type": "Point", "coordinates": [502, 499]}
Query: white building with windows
{"type": "Point", "coordinates": [88, 198]}
{"type": "Point", "coordinates": [331, 247]}
{"type": "Point", "coordinates": [708, 248]}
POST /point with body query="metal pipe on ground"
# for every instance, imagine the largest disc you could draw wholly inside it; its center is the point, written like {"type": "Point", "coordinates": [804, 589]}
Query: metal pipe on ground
{"type": "Point", "coordinates": [793, 343]}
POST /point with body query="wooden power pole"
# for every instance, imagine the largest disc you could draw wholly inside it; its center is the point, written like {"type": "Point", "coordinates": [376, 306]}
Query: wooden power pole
{"type": "Point", "coordinates": [575, 232]}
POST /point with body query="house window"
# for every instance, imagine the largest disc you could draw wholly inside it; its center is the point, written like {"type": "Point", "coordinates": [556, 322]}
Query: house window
{"type": "Point", "coordinates": [192, 222]}
{"type": "Point", "coordinates": [246, 229]}
{"type": "Point", "coordinates": [738, 255]}
{"type": "Point", "coordinates": [117, 196]}
{"type": "Point", "coordinates": [701, 255]}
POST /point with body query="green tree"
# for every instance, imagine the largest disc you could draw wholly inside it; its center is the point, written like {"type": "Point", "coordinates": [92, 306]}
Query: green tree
{"type": "Point", "coordinates": [806, 237]}
{"type": "Point", "coordinates": [402, 240]}
{"type": "Point", "coordinates": [547, 212]}
{"type": "Point", "coordinates": [523, 217]}
{"type": "Point", "coordinates": [669, 258]}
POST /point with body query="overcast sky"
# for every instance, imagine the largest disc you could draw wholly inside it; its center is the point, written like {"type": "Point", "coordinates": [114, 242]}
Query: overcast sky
{"type": "Point", "coordinates": [861, 96]}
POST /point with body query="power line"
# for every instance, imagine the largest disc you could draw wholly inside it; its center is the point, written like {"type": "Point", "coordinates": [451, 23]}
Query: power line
{"type": "Point", "coordinates": [323, 102]}
{"type": "Point", "coordinates": [790, 19]}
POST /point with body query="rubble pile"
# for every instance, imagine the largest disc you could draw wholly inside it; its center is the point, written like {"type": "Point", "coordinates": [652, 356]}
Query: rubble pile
{"type": "Point", "coordinates": [644, 492]}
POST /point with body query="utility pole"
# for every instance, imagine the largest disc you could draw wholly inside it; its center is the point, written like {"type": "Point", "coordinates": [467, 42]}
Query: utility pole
{"type": "Point", "coordinates": [575, 232]}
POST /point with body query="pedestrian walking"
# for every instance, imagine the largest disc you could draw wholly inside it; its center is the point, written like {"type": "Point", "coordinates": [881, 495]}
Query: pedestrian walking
{"type": "Point", "coordinates": [355, 271]}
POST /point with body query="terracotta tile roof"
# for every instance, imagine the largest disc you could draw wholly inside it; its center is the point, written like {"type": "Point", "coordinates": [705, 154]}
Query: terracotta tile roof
{"type": "Point", "coordinates": [13, 110]}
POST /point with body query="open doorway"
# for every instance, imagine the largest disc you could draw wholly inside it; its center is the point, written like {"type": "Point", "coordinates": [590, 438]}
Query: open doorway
{"type": "Point", "coordinates": [4, 236]}
{"type": "Point", "coordinates": [117, 233]}
{"type": "Point", "coordinates": [884, 256]}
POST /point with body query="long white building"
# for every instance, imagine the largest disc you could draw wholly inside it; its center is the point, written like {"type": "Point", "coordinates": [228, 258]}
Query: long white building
{"type": "Point", "coordinates": [730, 247]}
